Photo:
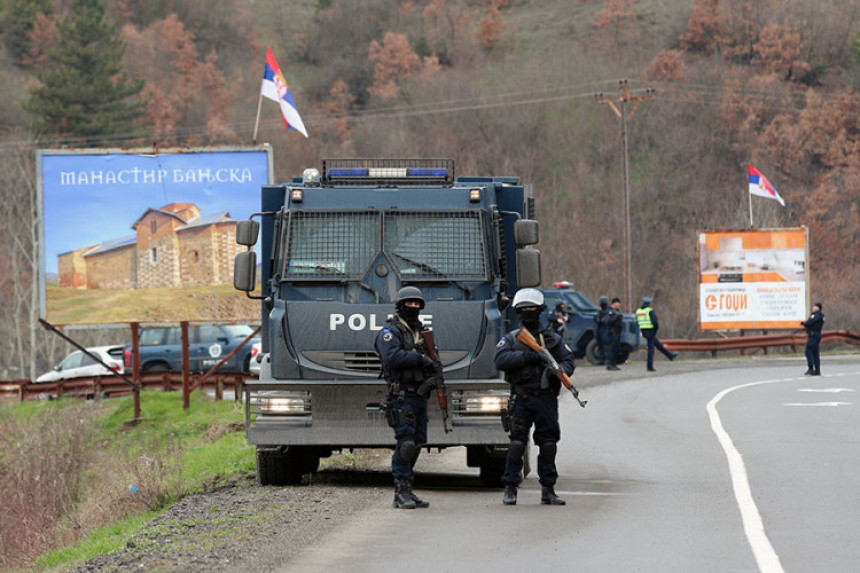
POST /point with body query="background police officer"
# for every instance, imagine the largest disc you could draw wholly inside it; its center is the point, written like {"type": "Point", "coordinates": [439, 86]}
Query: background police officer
{"type": "Point", "coordinates": [813, 326]}
{"type": "Point", "coordinates": [534, 397]}
{"type": "Point", "coordinates": [411, 375]}
{"type": "Point", "coordinates": [601, 330]}
{"type": "Point", "coordinates": [616, 324]}
{"type": "Point", "coordinates": [559, 318]}
{"type": "Point", "coordinates": [648, 326]}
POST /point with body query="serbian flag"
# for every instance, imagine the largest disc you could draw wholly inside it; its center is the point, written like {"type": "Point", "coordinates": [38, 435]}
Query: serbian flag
{"type": "Point", "coordinates": [275, 88]}
{"type": "Point", "coordinates": [759, 185]}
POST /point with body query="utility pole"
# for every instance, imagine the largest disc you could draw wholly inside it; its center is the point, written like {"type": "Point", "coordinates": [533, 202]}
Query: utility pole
{"type": "Point", "coordinates": [623, 98]}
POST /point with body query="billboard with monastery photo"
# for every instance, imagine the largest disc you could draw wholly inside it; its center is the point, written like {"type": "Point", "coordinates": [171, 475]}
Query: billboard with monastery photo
{"type": "Point", "coordinates": [145, 235]}
{"type": "Point", "coordinates": [754, 279]}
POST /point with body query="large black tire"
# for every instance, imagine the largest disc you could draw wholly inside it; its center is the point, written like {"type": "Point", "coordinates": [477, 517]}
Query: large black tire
{"type": "Point", "coordinates": [592, 352]}
{"type": "Point", "coordinates": [155, 367]}
{"type": "Point", "coordinates": [285, 466]}
{"type": "Point", "coordinates": [491, 472]}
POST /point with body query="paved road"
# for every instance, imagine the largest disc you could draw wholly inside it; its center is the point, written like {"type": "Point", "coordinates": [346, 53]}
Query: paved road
{"type": "Point", "coordinates": [689, 469]}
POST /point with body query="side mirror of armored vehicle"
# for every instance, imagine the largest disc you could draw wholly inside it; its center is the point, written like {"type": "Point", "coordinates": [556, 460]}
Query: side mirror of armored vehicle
{"type": "Point", "coordinates": [526, 232]}
{"type": "Point", "coordinates": [528, 268]}
{"type": "Point", "coordinates": [245, 271]}
{"type": "Point", "coordinates": [246, 232]}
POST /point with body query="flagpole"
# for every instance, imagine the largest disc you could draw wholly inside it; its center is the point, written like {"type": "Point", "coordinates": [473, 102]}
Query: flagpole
{"type": "Point", "coordinates": [257, 123]}
{"type": "Point", "coordinates": [751, 219]}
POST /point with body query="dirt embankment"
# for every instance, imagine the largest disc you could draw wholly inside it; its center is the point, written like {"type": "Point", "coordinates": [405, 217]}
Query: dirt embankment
{"type": "Point", "coordinates": [224, 528]}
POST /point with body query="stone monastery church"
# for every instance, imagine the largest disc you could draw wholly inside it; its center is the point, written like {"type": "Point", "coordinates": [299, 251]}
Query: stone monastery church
{"type": "Point", "coordinates": [172, 247]}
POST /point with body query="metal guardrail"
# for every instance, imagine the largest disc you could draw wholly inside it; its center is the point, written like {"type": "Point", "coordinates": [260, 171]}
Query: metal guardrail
{"type": "Point", "coordinates": [98, 387]}
{"type": "Point", "coordinates": [759, 342]}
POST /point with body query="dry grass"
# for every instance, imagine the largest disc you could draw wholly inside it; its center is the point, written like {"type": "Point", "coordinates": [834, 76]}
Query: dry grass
{"type": "Point", "coordinates": [59, 479]}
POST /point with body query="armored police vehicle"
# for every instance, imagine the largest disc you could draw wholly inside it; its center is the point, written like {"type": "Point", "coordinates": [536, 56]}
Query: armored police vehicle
{"type": "Point", "coordinates": [337, 245]}
{"type": "Point", "coordinates": [579, 328]}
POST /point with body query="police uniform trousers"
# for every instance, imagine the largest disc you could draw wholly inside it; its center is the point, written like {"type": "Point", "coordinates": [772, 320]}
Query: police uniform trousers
{"type": "Point", "coordinates": [416, 406]}
{"type": "Point", "coordinates": [541, 409]}
{"type": "Point", "coordinates": [813, 355]}
{"type": "Point", "coordinates": [653, 342]}
{"type": "Point", "coordinates": [605, 341]}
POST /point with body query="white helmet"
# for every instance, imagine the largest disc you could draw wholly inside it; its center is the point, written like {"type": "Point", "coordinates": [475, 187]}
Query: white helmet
{"type": "Point", "coordinates": [528, 297]}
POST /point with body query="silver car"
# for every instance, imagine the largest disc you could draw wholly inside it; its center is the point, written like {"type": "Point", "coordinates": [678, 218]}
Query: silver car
{"type": "Point", "coordinates": [79, 365]}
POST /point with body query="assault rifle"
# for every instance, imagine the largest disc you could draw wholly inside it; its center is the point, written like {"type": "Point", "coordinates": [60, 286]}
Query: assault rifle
{"type": "Point", "coordinates": [441, 389]}
{"type": "Point", "coordinates": [529, 340]}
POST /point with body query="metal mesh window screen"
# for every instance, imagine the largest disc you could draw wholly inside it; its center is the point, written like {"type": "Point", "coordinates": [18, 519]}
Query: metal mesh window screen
{"type": "Point", "coordinates": [436, 245]}
{"type": "Point", "coordinates": [331, 244]}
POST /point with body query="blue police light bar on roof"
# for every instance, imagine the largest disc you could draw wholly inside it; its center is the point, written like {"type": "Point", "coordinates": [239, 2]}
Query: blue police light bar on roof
{"type": "Point", "coordinates": [348, 172]}
{"type": "Point", "coordinates": [385, 172]}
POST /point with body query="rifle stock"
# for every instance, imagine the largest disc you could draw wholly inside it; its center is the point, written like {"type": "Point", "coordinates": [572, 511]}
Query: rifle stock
{"type": "Point", "coordinates": [529, 340]}
{"type": "Point", "coordinates": [441, 389]}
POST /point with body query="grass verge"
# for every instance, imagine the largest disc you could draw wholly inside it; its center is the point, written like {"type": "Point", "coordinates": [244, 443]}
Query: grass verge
{"type": "Point", "coordinates": [81, 476]}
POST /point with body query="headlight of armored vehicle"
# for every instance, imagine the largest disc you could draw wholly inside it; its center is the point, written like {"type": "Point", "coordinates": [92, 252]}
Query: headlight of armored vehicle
{"type": "Point", "coordinates": [284, 404]}
{"type": "Point", "coordinates": [478, 406]}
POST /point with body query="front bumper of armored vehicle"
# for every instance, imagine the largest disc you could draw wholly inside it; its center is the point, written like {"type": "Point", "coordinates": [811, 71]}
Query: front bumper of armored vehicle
{"type": "Point", "coordinates": [340, 414]}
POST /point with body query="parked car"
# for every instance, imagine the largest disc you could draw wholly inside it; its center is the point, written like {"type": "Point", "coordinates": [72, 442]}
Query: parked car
{"type": "Point", "coordinates": [79, 365]}
{"type": "Point", "coordinates": [579, 329]}
{"type": "Point", "coordinates": [161, 348]}
{"type": "Point", "coordinates": [256, 356]}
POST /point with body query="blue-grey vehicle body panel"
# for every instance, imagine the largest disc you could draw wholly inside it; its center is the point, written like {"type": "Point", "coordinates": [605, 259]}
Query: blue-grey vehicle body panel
{"type": "Point", "coordinates": [319, 331]}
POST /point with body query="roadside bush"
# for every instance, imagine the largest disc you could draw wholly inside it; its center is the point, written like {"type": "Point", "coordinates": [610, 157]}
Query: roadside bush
{"type": "Point", "coordinates": [44, 457]}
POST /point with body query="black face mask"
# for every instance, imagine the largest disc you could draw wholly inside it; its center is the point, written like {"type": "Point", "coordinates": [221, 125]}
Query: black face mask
{"type": "Point", "coordinates": [409, 313]}
{"type": "Point", "coordinates": [530, 318]}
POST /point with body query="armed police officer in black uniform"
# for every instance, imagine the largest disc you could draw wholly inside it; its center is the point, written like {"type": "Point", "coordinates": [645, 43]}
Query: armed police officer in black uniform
{"type": "Point", "coordinates": [534, 397]}
{"type": "Point", "coordinates": [601, 331]}
{"type": "Point", "coordinates": [411, 375]}
{"type": "Point", "coordinates": [616, 326]}
{"type": "Point", "coordinates": [813, 326]}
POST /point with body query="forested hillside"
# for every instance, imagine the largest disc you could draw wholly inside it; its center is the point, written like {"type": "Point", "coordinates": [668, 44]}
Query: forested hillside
{"type": "Point", "coordinates": [505, 87]}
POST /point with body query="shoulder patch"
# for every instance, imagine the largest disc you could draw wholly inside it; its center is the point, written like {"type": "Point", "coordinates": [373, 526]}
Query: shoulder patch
{"type": "Point", "coordinates": [387, 336]}
{"type": "Point", "coordinates": [501, 343]}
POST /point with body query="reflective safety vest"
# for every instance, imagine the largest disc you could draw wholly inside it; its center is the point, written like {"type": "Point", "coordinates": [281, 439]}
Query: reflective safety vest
{"type": "Point", "coordinates": [643, 318]}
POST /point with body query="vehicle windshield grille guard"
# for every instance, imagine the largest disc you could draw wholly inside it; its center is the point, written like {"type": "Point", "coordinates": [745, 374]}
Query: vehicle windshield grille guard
{"type": "Point", "coordinates": [420, 245]}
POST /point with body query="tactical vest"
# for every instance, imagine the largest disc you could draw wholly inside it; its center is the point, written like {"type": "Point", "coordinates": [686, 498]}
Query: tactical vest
{"type": "Point", "coordinates": [643, 318]}
{"type": "Point", "coordinates": [408, 376]}
{"type": "Point", "coordinates": [528, 377]}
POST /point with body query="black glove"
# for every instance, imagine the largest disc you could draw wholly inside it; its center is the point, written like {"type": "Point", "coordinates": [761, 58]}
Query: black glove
{"type": "Point", "coordinates": [531, 357]}
{"type": "Point", "coordinates": [427, 362]}
{"type": "Point", "coordinates": [427, 386]}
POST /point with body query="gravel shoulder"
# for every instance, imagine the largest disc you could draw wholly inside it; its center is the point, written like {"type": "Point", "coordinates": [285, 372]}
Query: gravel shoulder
{"type": "Point", "coordinates": [240, 526]}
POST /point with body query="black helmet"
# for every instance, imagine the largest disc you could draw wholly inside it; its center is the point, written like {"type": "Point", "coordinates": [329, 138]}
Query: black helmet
{"type": "Point", "coordinates": [408, 293]}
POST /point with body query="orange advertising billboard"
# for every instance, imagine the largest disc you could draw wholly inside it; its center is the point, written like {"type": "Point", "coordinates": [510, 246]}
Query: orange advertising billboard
{"type": "Point", "coordinates": [755, 278]}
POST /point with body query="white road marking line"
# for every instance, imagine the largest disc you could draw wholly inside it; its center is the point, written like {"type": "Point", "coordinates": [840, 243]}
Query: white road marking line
{"type": "Point", "coordinates": [763, 551]}
{"type": "Point", "coordinates": [828, 404]}
{"type": "Point", "coordinates": [569, 492]}
{"type": "Point", "coordinates": [826, 390]}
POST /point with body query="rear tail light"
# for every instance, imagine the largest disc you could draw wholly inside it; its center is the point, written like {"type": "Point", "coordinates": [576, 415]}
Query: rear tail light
{"type": "Point", "coordinates": [126, 358]}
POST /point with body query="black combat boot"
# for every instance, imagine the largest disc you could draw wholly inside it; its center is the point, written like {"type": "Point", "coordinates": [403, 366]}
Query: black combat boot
{"type": "Point", "coordinates": [402, 499]}
{"type": "Point", "coordinates": [548, 497]}
{"type": "Point", "coordinates": [418, 501]}
{"type": "Point", "coordinates": [809, 372]}
{"type": "Point", "coordinates": [510, 495]}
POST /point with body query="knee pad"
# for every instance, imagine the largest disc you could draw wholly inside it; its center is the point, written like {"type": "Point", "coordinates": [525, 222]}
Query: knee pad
{"type": "Point", "coordinates": [408, 450]}
{"type": "Point", "coordinates": [517, 449]}
{"type": "Point", "coordinates": [548, 451]}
